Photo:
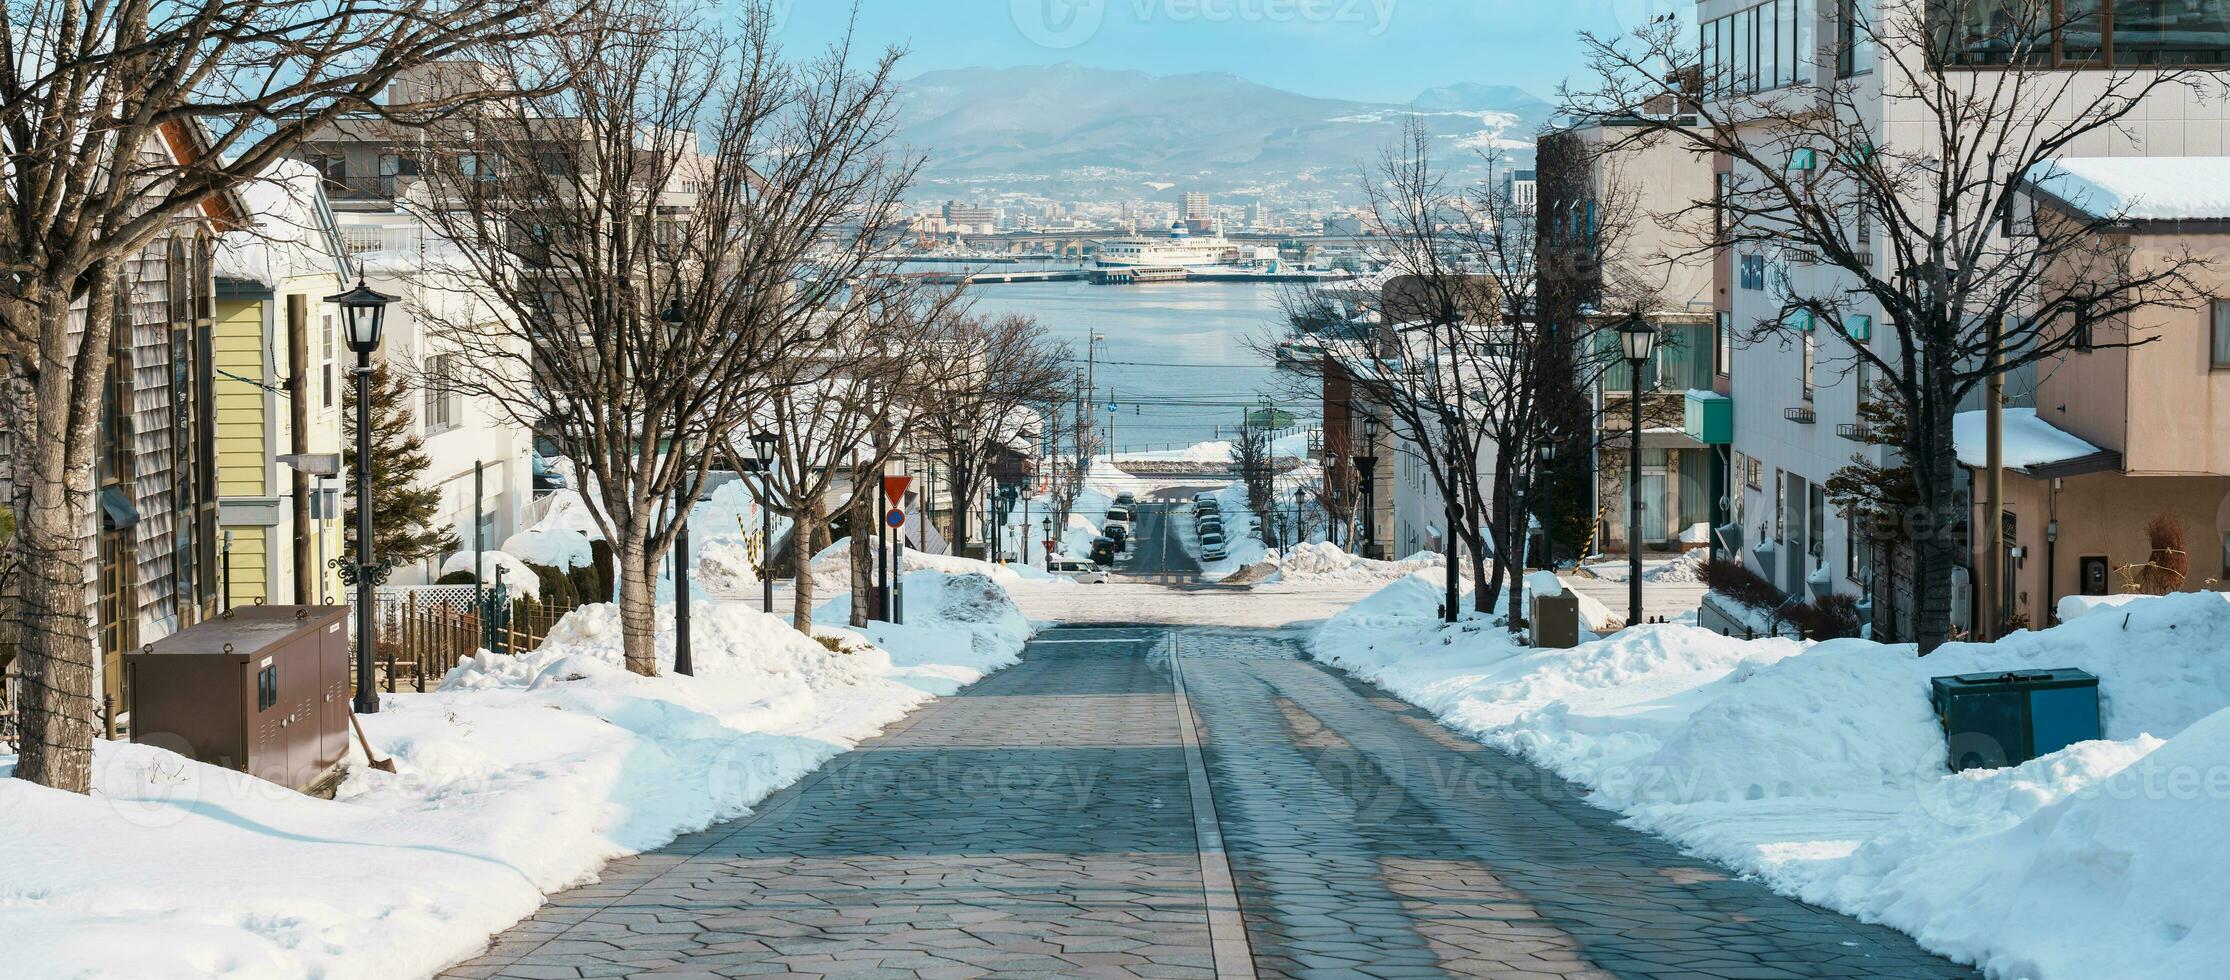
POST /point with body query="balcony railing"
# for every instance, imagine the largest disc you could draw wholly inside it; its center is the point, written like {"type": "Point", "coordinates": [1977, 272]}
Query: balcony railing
{"type": "Point", "coordinates": [1801, 415]}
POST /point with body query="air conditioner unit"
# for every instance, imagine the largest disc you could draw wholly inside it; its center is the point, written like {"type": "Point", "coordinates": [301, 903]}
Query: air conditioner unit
{"type": "Point", "coordinates": [1962, 599]}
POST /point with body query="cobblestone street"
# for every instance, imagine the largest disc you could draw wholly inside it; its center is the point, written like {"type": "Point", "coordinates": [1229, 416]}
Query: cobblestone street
{"type": "Point", "coordinates": [1159, 802]}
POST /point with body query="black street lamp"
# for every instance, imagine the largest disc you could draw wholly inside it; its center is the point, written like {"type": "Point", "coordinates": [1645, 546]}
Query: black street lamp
{"type": "Point", "coordinates": [684, 491]}
{"type": "Point", "coordinates": [363, 315]}
{"type": "Point", "coordinates": [1048, 525]}
{"type": "Point", "coordinates": [1639, 337]}
{"type": "Point", "coordinates": [1545, 491]}
{"type": "Point", "coordinates": [762, 444]}
{"type": "Point", "coordinates": [1366, 463]}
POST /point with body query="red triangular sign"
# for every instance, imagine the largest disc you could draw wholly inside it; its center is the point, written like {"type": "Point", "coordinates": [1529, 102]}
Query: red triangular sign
{"type": "Point", "coordinates": [894, 487]}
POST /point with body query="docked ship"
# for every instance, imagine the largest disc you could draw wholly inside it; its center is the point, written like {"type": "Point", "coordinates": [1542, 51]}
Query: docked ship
{"type": "Point", "coordinates": [1180, 250]}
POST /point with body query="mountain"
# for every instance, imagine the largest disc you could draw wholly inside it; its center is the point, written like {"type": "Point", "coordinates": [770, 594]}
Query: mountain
{"type": "Point", "coordinates": [1070, 131]}
{"type": "Point", "coordinates": [1476, 97]}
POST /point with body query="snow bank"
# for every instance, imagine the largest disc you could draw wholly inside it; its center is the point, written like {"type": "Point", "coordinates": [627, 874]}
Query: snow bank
{"type": "Point", "coordinates": [1819, 768]}
{"type": "Point", "coordinates": [832, 568]}
{"type": "Point", "coordinates": [964, 619]}
{"type": "Point", "coordinates": [1310, 561]}
{"type": "Point", "coordinates": [519, 777]}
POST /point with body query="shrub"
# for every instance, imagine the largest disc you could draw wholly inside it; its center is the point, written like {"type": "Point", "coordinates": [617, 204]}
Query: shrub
{"type": "Point", "coordinates": [555, 587]}
{"type": "Point", "coordinates": [600, 559]}
{"type": "Point", "coordinates": [2170, 564]}
{"type": "Point", "coordinates": [462, 576]}
{"type": "Point", "coordinates": [1731, 578]}
{"type": "Point", "coordinates": [1829, 617]}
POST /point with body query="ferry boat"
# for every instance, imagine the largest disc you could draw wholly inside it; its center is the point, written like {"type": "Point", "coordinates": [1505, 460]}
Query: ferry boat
{"type": "Point", "coordinates": [1180, 250]}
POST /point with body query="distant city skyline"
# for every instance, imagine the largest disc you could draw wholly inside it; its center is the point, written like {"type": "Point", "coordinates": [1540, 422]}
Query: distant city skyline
{"type": "Point", "coordinates": [1369, 50]}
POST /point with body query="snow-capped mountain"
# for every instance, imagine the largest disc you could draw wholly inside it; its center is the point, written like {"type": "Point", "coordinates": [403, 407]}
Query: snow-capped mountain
{"type": "Point", "coordinates": [1067, 129]}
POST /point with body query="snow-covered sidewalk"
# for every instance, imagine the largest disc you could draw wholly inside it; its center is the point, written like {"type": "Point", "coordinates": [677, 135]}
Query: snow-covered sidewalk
{"type": "Point", "coordinates": [1820, 769]}
{"type": "Point", "coordinates": [519, 777]}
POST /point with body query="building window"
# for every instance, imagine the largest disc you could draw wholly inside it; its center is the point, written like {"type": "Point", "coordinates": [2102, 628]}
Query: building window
{"type": "Point", "coordinates": [1722, 190]}
{"type": "Point", "coordinates": [1815, 527]}
{"type": "Point", "coordinates": [1854, 553]}
{"type": "Point", "coordinates": [1752, 272]}
{"type": "Point", "coordinates": [1811, 360]}
{"type": "Point", "coordinates": [444, 402]}
{"type": "Point", "coordinates": [325, 357]}
{"type": "Point", "coordinates": [2082, 33]}
{"type": "Point", "coordinates": [2085, 335]}
{"type": "Point", "coordinates": [1753, 50]}
{"type": "Point", "coordinates": [1722, 344]}
{"type": "Point", "coordinates": [1854, 39]}
{"type": "Point", "coordinates": [2218, 356]}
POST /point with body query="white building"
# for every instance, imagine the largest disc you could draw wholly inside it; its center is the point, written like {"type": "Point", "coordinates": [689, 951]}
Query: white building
{"type": "Point", "coordinates": [461, 433]}
{"type": "Point", "coordinates": [1795, 396]}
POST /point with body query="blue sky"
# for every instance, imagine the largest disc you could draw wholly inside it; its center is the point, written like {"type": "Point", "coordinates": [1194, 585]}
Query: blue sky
{"type": "Point", "coordinates": [1375, 50]}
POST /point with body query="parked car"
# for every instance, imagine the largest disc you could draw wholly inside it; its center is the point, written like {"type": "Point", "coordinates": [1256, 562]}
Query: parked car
{"type": "Point", "coordinates": [1116, 529]}
{"type": "Point", "coordinates": [1208, 506]}
{"type": "Point", "coordinates": [1208, 526]}
{"type": "Point", "coordinates": [1103, 552]}
{"type": "Point", "coordinates": [1211, 541]}
{"type": "Point", "coordinates": [1119, 513]}
{"type": "Point", "coordinates": [1126, 499]}
{"type": "Point", "coordinates": [1214, 553]}
{"type": "Point", "coordinates": [1079, 570]}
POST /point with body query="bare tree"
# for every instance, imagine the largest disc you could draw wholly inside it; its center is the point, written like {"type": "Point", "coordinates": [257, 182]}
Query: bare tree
{"type": "Point", "coordinates": [106, 145]}
{"type": "Point", "coordinates": [847, 423]}
{"type": "Point", "coordinates": [1926, 228]}
{"type": "Point", "coordinates": [1069, 425]}
{"type": "Point", "coordinates": [1002, 370]}
{"type": "Point", "coordinates": [686, 226]}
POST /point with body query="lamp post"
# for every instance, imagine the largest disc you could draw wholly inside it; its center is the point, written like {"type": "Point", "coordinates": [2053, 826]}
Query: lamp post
{"type": "Point", "coordinates": [1546, 494]}
{"type": "Point", "coordinates": [364, 314]}
{"type": "Point", "coordinates": [672, 317]}
{"type": "Point", "coordinates": [1048, 525]}
{"type": "Point", "coordinates": [1297, 493]}
{"type": "Point", "coordinates": [762, 444]}
{"type": "Point", "coordinates": [1639, 337]}
{"type": "Point", "coordinates": [1367, 462]}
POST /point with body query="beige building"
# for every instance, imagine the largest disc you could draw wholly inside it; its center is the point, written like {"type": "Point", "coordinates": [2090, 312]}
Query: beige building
{"type": "Point", "coordinates": [2122, 435]}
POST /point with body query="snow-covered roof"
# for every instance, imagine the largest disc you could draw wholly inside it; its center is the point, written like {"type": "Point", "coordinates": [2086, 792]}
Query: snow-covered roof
{"type": "Point", "coordinates": [2030, 442]}
{"type": "Point", "coordinates": [2139, 188]}
{"type": "Point", "coordinates": [290, 234]}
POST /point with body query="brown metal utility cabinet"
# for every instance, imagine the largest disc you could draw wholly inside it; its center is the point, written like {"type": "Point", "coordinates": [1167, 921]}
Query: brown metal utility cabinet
{"type": "Point", "coordinates": [261, 689]}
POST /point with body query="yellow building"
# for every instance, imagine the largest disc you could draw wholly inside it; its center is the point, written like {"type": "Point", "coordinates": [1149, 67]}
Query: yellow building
{"type": "Point", "coordinates": [279, 394]}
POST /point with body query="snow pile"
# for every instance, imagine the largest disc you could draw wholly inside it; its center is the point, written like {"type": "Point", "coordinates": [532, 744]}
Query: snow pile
{"type": "Point", "coordinates": [519, 777]}
{"type": "Point", "coordinates": [1317, 561]}
{"type": "Point", "coordinates": [519, 581]}
{"type": "Point", "coordinates": [1686, 568]}
{"type": "Point", "coordinates": [966, 620]}
{"type": "Point", "coordinates": [1820, 769]}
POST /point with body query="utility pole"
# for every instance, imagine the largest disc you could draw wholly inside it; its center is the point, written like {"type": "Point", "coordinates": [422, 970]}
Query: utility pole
{"type": "Point", "coordinates": [1993, 507]}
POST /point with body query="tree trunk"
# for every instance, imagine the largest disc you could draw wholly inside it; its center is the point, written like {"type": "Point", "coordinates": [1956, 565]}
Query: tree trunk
{"type": "Point", "coordinates": [805, 526]}
{"type": "Point", "coordinates": [864, 524]}
{"type": "Point", "coordinates": [1934, 551]}
{"type": "Point", "coordinates": [961, 481]}
{"type": "Point", "coordinates": [638, 605]}
{"type": "Point", "coordinates": [60, 695]}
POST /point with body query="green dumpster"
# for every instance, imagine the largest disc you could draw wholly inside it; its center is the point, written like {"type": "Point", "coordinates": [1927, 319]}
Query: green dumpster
{"type": "Point", "coordinates": [2001, 719]}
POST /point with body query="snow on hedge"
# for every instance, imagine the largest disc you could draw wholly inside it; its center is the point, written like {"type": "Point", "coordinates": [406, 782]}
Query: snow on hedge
{"type": "Point", "coordinates": [519, 581]}
{"type": "Point", "coordinates": [518, 777]}
{"type": "Point", "coordinates": [1819, 768]}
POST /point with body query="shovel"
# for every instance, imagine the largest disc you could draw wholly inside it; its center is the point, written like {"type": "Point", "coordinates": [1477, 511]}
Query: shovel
{"type": "Point", "coordinates": [383, 765]}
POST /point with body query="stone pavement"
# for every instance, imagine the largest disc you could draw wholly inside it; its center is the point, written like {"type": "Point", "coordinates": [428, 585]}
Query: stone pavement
{"type": "Point", "coordinates": [1068, 816]}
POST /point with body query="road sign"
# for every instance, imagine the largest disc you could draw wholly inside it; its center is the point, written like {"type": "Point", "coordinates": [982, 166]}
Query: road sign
{"type": "Point", "coordinates": [894, 488]}
{"type": "Point", "coordinates": [896, 518]}
{"type": "Point", "coordinates": [1263, 418]}
{"type": "Point", "coordinates": [1111, 406]}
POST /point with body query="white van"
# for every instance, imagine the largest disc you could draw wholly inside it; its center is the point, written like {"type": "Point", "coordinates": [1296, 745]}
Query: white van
{"type": "Point", "coordinates": [1079, 570]}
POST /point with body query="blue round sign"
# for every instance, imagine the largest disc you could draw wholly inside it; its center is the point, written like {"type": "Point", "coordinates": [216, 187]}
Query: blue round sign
{"type": "Point", "coordinates": [895, 518]}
